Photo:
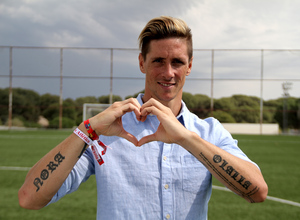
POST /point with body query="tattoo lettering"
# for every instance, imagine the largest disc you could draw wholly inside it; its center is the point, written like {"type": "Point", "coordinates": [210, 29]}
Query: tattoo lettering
{"type": "Point", "coordinates": [232, 173]}
{"type": "Point", "coordinates": [59, 158]}
{"type": "Point", "coordinates": [38, 182]}
{"type": "Point", "coordinates": [52, 166]}
{"type": "Point", "coordinates": [44, 174]}
{"type": "Point", "coordinates": [229, 170]}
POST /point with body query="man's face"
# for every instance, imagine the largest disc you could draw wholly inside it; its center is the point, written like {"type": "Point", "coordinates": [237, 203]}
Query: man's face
{"type": "Point", "coordinates": [166, 66]}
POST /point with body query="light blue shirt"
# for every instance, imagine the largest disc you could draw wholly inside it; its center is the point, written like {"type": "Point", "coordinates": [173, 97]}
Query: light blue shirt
{"type": "Point", "coordinates": [156, 180]}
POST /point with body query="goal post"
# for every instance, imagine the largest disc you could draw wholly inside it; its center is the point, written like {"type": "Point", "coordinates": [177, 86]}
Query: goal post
{"type": "Point", "coordinates": [92, 109]}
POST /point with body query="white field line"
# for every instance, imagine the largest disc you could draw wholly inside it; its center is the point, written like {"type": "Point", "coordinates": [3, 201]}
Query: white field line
{"type": "Point", "coordinates": [15, 168]}
{"type": "Point", "coordinates": [284, 201]}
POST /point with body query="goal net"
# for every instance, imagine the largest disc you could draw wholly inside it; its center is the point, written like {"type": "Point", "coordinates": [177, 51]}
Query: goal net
{"type": "Point", "coordinates": [92, 109]}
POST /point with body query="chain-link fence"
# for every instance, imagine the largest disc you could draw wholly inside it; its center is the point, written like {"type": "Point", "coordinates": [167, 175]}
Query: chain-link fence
{"type": "Point", "coordinates": [77, 72]}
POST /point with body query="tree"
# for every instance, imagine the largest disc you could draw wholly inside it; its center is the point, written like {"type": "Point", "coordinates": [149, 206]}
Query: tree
{"type": "Point", "coordinates": [189, 100]}
{"type": "Point", "coordinates": [223, 117]}
{"type": "Point", "coordinates": [292, 113]}
{"type": "Point", "coordinates": [26, 104]}
{"type": "Point", "coordinates": [105, 99]}
{"type": "Point", "coordinates": [202, 106]}
{"type": "Point", "coordinates": [269, 110]}
{"type": "Point", "coordinates": [3, 105]}
{"type": "Point", "coordinates": [246, 109]}
{"type": "Point", "coordinates": [79, 106]}
{"type": "Point", "coordinates": [48, 105]}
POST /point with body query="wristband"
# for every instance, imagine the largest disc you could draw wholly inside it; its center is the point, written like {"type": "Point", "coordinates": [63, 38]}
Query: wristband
{"type": "Point", "coordinates": [83, 137]}
{"type": "Point", "coordinates": [93, 145]}
{"type": "Point", "coordinates": [92, 133]}
{"type": "Point", "coordinates": [100, 143]}
{"type": "Point", "coordinates": [97, 155]}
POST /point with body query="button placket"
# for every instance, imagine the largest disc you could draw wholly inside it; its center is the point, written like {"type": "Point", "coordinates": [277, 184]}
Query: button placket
{"type": "Point", "coordinates": [167, 197]}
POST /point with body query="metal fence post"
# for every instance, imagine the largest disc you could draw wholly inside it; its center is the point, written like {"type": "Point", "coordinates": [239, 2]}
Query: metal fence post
{"type": "Point", "coordinates": [111, 76]}
{"type": "Point", "coordinates": [10, 96]}
{"type": "Point", "coordinates": [261, 90]}
{"type": "Point", "coordinates": [61, 90]}
{"type": "Point", "coordinates": [212, 83]}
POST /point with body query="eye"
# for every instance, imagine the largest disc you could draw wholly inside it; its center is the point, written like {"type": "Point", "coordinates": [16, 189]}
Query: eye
{"type": "Point", "coordinates": [157, 60]}
{"type": "Point", "coordinates": [177, 61]}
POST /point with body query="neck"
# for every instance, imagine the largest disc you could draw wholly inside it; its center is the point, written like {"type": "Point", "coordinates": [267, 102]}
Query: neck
{"type": "Point", "coordinates": [174, 104]}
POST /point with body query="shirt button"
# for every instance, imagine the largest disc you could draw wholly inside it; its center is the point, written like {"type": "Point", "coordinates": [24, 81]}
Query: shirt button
{"type": "Point", "coordinates": [166, 186]}
{"type": "Point", "coordinates": [164, 158]}
{"type": "Point", "coordinates": [168, 216]}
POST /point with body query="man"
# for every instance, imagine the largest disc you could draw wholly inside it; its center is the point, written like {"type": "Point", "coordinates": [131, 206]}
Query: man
{"type": "Point", "coordinates": [168, 176]}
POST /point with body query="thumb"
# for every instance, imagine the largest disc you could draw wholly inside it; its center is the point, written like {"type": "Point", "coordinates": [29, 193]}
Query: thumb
{"type": "Point", "coordinates": [146, 139]}
{"type": "Point", "coordinates": [129, 137]}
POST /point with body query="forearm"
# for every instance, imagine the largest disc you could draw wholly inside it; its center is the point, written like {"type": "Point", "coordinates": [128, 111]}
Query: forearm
{"type": "Point", "coordinates": [240, 176]}
{"type": "Point", "coordinates": [47, 175]}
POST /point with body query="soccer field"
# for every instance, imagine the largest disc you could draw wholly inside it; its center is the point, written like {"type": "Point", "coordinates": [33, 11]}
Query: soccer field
{"type": "Point", "coordinates": [277, 156]}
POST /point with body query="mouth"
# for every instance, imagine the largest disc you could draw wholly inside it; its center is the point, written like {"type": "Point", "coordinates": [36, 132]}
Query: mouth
{"type": "Point", "coordinates": [166, 84]}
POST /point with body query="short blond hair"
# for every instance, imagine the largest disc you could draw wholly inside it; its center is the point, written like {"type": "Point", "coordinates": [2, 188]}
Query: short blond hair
{"type": "Point", "coordinates": [165, 27]}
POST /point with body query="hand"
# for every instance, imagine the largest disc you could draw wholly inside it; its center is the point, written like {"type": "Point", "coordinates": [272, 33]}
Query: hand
{"type": "Point", "coordinates": [170, 129]}
{"type": "Point", "coordinates": [109, 122]}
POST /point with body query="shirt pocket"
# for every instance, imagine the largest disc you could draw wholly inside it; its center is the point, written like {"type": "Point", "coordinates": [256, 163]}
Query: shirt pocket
{"type": "Point", "coordinates": [195, 177]}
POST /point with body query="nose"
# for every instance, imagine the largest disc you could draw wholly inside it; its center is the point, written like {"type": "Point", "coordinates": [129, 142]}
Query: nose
{"type": "Point", "coordinates": [168, 71]}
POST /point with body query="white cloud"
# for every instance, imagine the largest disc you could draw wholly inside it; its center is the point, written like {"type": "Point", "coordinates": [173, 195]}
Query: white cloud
{"type": "Point", "coordinates": [216, 24]}
{"type": "Point", "coordinates": [245, 24]}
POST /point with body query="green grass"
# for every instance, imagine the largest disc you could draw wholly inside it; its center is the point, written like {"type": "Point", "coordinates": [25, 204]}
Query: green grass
{"type": "Point", "coordinates": [277, 156]}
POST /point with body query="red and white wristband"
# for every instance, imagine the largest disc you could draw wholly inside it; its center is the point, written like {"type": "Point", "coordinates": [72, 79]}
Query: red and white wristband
{"type": "Point", "coordinates": [93, 144]}
{"type": "Point", "coordinates": [83, 136]}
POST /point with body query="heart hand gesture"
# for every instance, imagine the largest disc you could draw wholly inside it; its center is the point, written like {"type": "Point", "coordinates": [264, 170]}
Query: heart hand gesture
{"type": "Point", "coordinates": [109, 122]}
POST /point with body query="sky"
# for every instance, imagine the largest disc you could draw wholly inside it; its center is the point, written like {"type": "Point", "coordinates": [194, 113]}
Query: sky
{"type": "Point", "coordinates": [215, 24]}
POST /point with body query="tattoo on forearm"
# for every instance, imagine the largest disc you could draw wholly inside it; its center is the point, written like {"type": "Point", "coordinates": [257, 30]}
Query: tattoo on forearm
{"type": "Point", "coordinates": [230, 173]}
{"type": "Point", "coordinates": [39, 181]}
{"type": "Point", "coordinates": [83, 149]}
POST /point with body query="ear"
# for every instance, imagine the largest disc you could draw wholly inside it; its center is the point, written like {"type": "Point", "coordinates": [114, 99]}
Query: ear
{"type": "Point", "coordinates": [142, 63]}
{"type": "Point", "coordinates": [189, 67]}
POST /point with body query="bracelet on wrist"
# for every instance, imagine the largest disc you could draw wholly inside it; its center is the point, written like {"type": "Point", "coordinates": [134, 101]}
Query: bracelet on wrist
{"type": "Point", "coordinates": [91, 132]}
{"type": "Point", "coordinates": [93, 145]}
{"type": "Point", "coordinates": [83, 136]}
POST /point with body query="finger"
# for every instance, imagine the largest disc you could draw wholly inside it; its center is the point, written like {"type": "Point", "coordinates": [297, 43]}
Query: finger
{"type": "Point", "coordinates": [146, 139]}
{"type": "Point", "coordinates": [150, 110]}
{"type": "Point", "coordinates": [132, 104]}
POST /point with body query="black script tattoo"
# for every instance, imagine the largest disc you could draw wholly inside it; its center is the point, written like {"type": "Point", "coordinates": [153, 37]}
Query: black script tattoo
{"type": "Point", "coordinates": [231, 173]}
{"type": "Point", "coordinates": [52, 166]}
{"type": "Point", "coordinates": [38, 182]}
{"type": "Point", "coordinates": [229, 170]}
{"type": "Point", "coordinates": [59, 158]}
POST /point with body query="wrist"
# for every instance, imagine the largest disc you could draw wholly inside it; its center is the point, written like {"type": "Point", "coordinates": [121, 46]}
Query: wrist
{"type": "Point", "coordinates": [188, 139]}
